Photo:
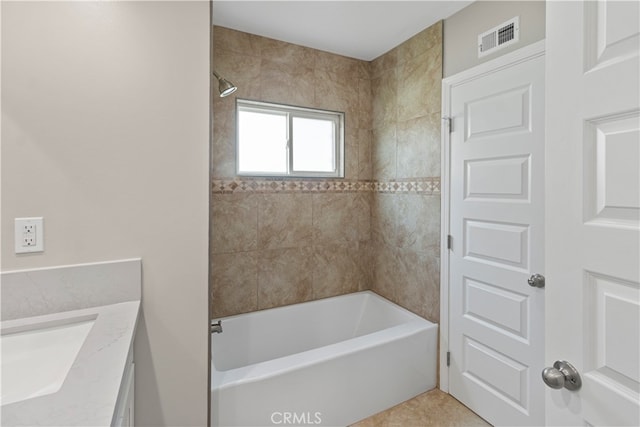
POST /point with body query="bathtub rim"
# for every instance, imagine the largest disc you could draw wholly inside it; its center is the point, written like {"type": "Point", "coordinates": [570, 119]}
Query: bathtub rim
{"type": "Point", "coordinates": [222, 379]}
{"type": "Point", "coordinates": [367, 292]}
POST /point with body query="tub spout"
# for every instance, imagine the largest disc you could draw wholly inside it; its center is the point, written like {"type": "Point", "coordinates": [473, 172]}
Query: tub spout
{"type": "Point", "coordinates": [216, 327]}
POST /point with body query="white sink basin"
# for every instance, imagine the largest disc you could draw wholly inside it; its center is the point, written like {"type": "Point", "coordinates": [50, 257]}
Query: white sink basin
{"type": "Point", "coordinates": [35, 362]}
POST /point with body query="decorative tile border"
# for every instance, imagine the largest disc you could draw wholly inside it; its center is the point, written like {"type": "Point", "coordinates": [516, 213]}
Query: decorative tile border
{"type": "Point", "coordinates": [420, 186]}
{"type": "Point", "coordinates": [241, 185]}
{"type": "Point", "coordinates": [427, 186]}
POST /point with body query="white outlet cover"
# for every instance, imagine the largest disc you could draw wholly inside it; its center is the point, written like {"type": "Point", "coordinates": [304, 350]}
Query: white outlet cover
{"type": "Point", "coordinates": [19, 238]}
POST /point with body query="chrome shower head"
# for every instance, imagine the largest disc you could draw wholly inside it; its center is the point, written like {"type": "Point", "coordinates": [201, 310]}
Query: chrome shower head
{"type": "Point", "coordinates": [225, 87]}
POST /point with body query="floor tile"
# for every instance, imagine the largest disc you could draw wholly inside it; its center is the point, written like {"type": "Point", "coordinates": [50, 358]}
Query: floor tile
{"type": "Point", "coordinates": [433, 408]}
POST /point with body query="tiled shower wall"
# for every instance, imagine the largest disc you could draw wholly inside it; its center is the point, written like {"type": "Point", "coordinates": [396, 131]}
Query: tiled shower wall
{"type": "Point", "coordinates": [406, 86]}
{"type": "Point", "coordinates": [282, 241]}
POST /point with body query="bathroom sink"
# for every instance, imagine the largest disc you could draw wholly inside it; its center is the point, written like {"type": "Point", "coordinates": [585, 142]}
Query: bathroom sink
{"type": "Point", "coordinates": [36, 361]}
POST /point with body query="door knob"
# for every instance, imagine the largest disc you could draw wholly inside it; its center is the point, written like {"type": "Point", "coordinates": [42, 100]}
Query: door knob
{"type": "Point", "coordinates": [536, 280]}
{"type": "Point", "coordinates": [563, 374]}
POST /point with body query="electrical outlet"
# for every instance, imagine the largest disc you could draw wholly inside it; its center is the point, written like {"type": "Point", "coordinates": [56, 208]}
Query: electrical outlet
{"type": "Point", "coordinates": [29, 234]}
{"type": "Point", "coordinates": [29, 239]}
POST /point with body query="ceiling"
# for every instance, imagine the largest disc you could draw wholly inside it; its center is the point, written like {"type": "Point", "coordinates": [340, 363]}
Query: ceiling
{"type": "Point", "coordinates": [358, 29]}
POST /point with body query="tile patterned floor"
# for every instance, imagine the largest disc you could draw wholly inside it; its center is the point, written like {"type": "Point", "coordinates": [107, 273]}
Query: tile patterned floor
{"type": "Point", "coordinates": [433, 408]}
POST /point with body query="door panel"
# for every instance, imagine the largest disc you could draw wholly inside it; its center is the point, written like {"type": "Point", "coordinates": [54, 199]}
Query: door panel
{"type": "Point", "coordinates": [593, 209]}
{"type": "Point", "coordinates": [497, 224]}
{"type": "Point", "coordinates": [499, 178]}
{"type": "Point", "coordinates": [499, 113]}
{"type": "Point", "coordinates": [500, 244]}
{"type": "Point", "coordinates": [496, 372]}
{"type": "Point", "coordinates": [608, 197]}
{"type": "Point", "coordinates": [481, 300]}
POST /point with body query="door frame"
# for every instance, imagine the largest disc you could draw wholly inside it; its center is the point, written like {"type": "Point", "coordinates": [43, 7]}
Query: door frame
{"type": "Point", "coordinates": [523, 54]}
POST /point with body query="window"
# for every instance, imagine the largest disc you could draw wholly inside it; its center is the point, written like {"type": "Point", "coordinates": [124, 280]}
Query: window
{"type": "Point", "coordinates": [281, 140]}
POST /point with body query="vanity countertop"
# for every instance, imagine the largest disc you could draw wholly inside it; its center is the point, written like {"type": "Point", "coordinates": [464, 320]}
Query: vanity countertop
{"type": "Point", "coordinates": [89, 393]}
{"type": "Point", "coordinates": [109, 294]}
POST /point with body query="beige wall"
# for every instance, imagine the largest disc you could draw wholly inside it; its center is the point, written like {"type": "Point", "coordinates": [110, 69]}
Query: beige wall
{"type": "Point", "coordinates": [105, 109]}
{"type": "Point", "coordinates": [461, 30]}
{"type": "Point", "coordinates": [279, 241]}
{"type": "Point", "coordinates": [406, 86]}
{"type": "Point", "coordinates": [298, 241]}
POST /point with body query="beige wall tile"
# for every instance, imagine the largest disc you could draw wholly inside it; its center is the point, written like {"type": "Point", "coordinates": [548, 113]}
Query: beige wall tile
{"type": "Point", "coordinates": [418, 142]}
{"type": "Point", "coordinates": [383, 226]}
{"type": "Point", "coordinates": [364, 70]}
{"type": "Point", "coordinates": [365, 140]}
{"type": "Point", "coordinates": [285, 276]}
{"type": "Point", "coordinates": [384, 91]}
{"type": "Point", "coordinates": [432, 306]}
{"type": "Point", "coordinates": [292, 84]}
{"type": "Point", "coordinates": [408, 278]}
{"type": "Point", "coordinates": [405, 228]}
{"type": "Point", "coordinates": [351, 151]}
{"type": "Point", "coordinates": [335, 92]}
{"type": "Point", "coordinates": [386, 279]}
{"type": "Point", "coordinates": [333, 220]}
{"type": "Point", "coordinates": [335, 270]}
{"type": "Point", "coordinates": [383, 152]}
{"type": "Point", "coordinates": [421, 42]}
{"type": "Point", "coordinates": [234, 222]}
{"type": "Point", "coordinates": [434, 80]}
{"type": "Point", "coordinates": [413, 148]}
{"type": "Point", "coordinates": [284, 221]}
{"type": "Point", "coordinates": [413, 91]}
{"type": "Point", "coordinates": [433, 227]}
{"type": "Point", "coordinates": [242, 70]}
{"type": "Point", "coordinates": [433, 142]}
{"type": "Point", "coordinates": [419, 290]}
{"type": "Point", "coordinates": [384, 63]}
{"type": "Point", "coordinates": [286, 53]}
{"type": "Point", "coordinates": [362, 215]}
{"type": "Point", "coordinates": [234, 283]}
{"type": "Point", "coordinates": [223, 151]}
{"type": "Point", "coordinates": [349, 68]}
{"type": "Point", "coordinates": [365, 262]}
{"type": "Point", "coordinates": [411, 280]}
{"type": "Point", "coordinates": [412, 221]}
{"type": "Point", "coordinates": [235, 41]}
{"type": "Point", "coordinates": [365, 104]}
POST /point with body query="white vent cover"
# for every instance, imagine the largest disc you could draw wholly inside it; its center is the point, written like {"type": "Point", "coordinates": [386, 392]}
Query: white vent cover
{"type": "Point", "coordinates": [501, 36]}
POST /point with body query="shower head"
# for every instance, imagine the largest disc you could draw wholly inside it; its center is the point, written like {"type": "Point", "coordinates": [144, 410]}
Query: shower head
{"type": "Point", "coordinates": [225, 87]}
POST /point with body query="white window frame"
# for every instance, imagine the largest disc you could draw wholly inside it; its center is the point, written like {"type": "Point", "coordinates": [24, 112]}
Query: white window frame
{"type": "Point", "coordinates": [291, 112]}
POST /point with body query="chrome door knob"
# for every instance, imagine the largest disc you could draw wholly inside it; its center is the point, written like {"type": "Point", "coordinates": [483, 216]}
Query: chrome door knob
{"type": "Point", "coordinates": [563, 374]}
{"type": "Point", "coordinates": [536, 281]}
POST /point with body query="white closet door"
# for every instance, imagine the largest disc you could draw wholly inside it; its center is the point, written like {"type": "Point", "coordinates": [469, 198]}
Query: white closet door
{"type": "Point", "coordinates": [496, 335]}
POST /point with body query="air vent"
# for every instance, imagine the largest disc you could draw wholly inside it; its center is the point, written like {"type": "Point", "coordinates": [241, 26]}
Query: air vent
{"type": "Point", "coordinates": [501, 36]}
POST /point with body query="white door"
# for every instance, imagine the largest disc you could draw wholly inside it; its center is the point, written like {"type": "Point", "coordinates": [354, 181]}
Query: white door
{"type": "Point", "coordinates": [593, 210]}
{"type": "Point", "coordinates": [496, 319]}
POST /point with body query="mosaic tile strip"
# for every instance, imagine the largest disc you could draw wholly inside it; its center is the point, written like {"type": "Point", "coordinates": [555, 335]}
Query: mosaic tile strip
{"type": "Point", "coordinates": [422, 186]}
{"type": "Point", "coordinates": [232, 186]}
{"type": "Point", "coordinates": [289, 186]}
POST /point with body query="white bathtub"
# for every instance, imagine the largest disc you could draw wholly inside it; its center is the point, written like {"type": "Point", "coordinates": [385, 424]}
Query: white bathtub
{"type": "Point", "coordinates": [329, 362]}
